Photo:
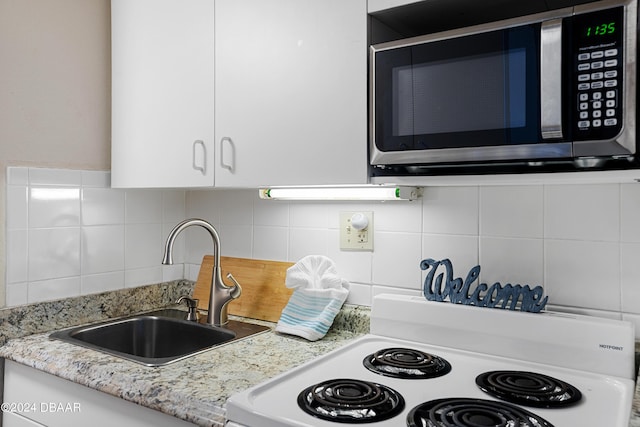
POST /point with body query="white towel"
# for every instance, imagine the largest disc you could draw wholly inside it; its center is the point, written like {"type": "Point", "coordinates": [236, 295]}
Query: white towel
{"type": "Point", "coordinates": [317, 297]}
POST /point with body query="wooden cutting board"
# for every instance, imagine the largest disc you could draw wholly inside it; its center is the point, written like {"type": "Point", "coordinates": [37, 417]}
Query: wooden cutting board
{"type": "Point", "coordinates": [264, 294]}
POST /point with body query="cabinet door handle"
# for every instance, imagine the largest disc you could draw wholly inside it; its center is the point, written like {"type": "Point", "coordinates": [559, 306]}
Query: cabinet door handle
{"type": "Point", "coordinates": [232, 154]}
{"type": "Point", "coordinates": [197, 167]}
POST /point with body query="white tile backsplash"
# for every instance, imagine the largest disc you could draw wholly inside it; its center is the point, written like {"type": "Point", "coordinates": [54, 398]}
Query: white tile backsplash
{"type": "Point", "coordinates": [270, 242]}
{"type": "Point", "coordinates": [629, 277]}
{"type": "Point", "coordinates": [515, 211]}
{"type": "Point", "coordinates": [462, 250]}
{"type": "Point", "coordinates": [54, 207]}
{"type": "Point", "coordinates": [103, 249]}
{"type": "Point", "coordinates": [143, 245]}
{"type": "Point", "coordinates": [629, 211]}
{"type": "Point", "coordinates": [236, 207]}
{"type": "Point", "coordinates": [98, 179]}
{"type": "Point", "coordinates": [68, 234]}
{"type": "Point", "coordinates": [581, 273]}
{"type": "Point", "coordinates": [96, 283]}
{"type": "Point", "coordinates": [173, 206]}
{"type": "Point", "coordinates": [143, 276]}
{"type": "Point", "coordinates": [398, 217]}
{"type": "Point", "coordinates": [55, 177]}
{"type": "Point", "coordinates": [359, 294]}
{"type": "Point", "coordinates": [17, 176]}
{"type": "Point", "coordinates": [53, 253]}
{"type": "Point", "coordinates": [17, 210]}
{"type": "Point", "coordinates": [267, 213]}
{"type": "Point", "coordinates": [450, 210]}
{"type": "Point", "coordinates": [582, 212]}
{"type": "Point", "coordinates": [510, 260]}
{"type": "Point", "coordinates": [102, 206]}
{"type": "Point", "coordinates": [396, 259]}
{"type": "Point", "coordinates": [143, 206]}
{"type": "Point", "coordinates": [17, 256]}
{"type": "Point", "coordinates": [204, 204]}
{"type": "Point", "coordinates": [580, 242]}
{"type": "Point", "coordinates": [235, 240]}
{"type": "Point", "coordinates": [307, 241]}
{"type": "Point", "coordinates": [309, 215]}
{"type": "Point", "coordinates": [45, 290]}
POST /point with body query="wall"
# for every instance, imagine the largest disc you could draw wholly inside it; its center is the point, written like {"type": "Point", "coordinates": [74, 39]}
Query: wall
{"type": "Point", "coordinates": [580, 242]}
{"type": "Point", "coordinates": [54, 88]}
{"type": "Point", "coordinates": [69, 234]}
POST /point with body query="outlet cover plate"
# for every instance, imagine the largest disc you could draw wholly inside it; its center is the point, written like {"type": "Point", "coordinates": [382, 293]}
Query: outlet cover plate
{"type": "Point", "coordinates": [352, 239]}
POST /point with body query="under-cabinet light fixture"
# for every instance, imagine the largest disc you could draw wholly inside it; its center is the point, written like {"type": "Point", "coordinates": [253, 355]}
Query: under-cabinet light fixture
{"type": "Point", "coordinates": [364, 192]}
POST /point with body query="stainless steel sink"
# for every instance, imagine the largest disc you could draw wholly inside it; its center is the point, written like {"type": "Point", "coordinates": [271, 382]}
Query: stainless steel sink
{"type": "Point", "coordinates": [156, 338]}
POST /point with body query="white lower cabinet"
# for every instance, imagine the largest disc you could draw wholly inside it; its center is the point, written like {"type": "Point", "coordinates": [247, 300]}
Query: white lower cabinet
{"type": "Point", "coordinates": [46, 400]}
{"type": "Point", "coordinates": [10, 419]}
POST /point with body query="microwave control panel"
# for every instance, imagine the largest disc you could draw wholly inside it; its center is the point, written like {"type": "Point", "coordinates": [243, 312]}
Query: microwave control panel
{"type": "Point", "coordinates": [598, 74]}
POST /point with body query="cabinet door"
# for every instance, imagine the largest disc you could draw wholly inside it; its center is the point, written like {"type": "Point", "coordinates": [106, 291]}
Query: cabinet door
{"type": "Point", "coordinates": [10, 419]}
{"type": "Point", "coordinates": [291, 92]}
{"type": "Point", "coordinates": [54, 402]}
{"type": "Point", "coordinates": [162, 93]}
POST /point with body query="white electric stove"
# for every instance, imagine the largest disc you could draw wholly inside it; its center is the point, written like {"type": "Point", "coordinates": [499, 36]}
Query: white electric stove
{"type": "Point", "coordinates": [440, 364]}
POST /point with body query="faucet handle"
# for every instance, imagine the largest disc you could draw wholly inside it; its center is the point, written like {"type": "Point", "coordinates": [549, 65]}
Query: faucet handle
{"type": "Point", "coordinates": [192, 306]}
{"type": "Point", "coordinates": [237, 289]}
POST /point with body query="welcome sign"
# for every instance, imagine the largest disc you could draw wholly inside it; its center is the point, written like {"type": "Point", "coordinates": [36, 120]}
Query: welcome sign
{"type": "Point", "coordinates": [444, 286]}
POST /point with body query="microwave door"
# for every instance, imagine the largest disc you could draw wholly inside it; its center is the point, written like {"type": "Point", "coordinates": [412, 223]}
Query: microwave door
{"type": "Point", "coordinates": [473, 98]}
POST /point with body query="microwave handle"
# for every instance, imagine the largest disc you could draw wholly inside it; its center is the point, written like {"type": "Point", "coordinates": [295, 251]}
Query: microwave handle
{"type": "Point", "coordinates": [551, 79]}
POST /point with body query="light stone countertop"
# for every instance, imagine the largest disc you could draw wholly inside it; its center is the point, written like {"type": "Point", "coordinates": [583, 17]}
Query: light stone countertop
{"type": "Point", "coordinates": [194, 389]}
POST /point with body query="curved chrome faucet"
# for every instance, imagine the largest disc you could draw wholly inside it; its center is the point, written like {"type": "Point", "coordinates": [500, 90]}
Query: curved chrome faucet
{"type": "Point", "coordinates": [221, 294]}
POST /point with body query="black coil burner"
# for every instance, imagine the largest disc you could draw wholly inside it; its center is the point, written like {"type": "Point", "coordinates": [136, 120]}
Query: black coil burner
{"type": "Point", "coordinates": [406, 363]}
{"type": "Point", "coordinates": [351, 401]}
{"type": "Point", "coordinates": [528, 388]}
{"type": "Point", "coordinates": [463, 412]}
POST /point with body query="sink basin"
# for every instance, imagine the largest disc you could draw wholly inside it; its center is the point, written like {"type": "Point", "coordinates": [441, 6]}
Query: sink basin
{"type": "Point", "coordinates": [157, 338]}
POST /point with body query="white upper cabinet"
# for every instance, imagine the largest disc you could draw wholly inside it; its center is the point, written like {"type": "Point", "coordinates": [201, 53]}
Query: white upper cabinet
{"type": "Point", "coordinates": [378, 5]}
{"type": "Point", "coordinates": [290, 92]}
{"type": "Point", "coordinates": [162, 93]}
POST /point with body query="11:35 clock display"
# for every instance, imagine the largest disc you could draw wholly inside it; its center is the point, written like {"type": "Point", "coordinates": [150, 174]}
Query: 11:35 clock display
{"type": "Point", "coordinates": [605, 28]}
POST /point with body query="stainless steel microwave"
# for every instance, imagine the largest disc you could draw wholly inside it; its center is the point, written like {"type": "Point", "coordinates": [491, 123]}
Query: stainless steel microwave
{"type": "Point", "coordinates": [556, 88]}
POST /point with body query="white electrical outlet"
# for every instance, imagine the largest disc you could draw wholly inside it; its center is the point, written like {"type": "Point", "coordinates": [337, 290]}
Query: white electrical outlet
{"type": "Point", "coordinates": [356, 231]}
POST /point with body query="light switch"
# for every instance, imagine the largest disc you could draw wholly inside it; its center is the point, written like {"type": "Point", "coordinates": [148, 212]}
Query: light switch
{"type": "Point", "coordinates": [356, 231]}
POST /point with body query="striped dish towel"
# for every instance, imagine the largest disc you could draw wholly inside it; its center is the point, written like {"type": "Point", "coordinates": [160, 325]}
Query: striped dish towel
{"type": "Point", "coordinates": [316, 300]}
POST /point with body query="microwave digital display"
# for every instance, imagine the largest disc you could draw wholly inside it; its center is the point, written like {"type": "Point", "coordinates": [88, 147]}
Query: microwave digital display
{"type": "Point", "coordinates": [600, 29]}
{"type": "Point", "coordinates": [604, 24]}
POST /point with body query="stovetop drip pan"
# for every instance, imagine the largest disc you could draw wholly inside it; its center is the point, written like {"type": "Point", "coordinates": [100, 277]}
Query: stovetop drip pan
{"type": "Point", "coordinates": [407, 363]}
{"type": "Point", "coordinates": [463, 412]}
{"type": "Point", "coordinates": [347, 400]}
{"type": "Point", "coordinates": [529, 389]}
